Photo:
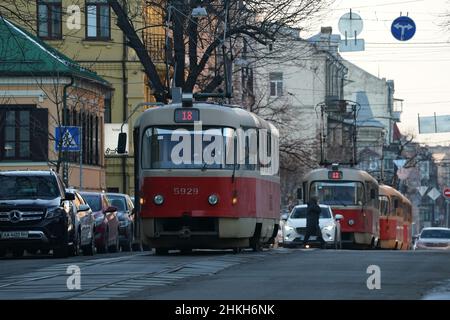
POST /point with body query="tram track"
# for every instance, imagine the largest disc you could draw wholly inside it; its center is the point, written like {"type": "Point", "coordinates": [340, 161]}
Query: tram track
{"type": "Point", "coordinates": [119, 277]}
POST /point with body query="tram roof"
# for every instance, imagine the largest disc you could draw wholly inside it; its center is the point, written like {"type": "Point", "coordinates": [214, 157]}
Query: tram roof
{"type": "Point", "coordinates": [210, 114]}
{"type": "Point", "coordinates": [386, 190]}
{"type": "Point", "coordinates": [348, 173]}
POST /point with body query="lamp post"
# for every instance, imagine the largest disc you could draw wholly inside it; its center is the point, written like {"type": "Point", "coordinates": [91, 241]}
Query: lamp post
{"type": "Point", "coordinates": [199, 12]}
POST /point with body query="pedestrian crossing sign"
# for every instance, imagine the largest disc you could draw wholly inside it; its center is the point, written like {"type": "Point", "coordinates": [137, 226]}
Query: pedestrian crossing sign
{"type": "Point", "coordinates": [67, 139]}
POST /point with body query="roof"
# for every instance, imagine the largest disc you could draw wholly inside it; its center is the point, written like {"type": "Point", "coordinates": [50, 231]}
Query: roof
{"type": "Point", "coordinates": [22, 53]}
{"type": "Point", "coordinates": [211, 114]}
{"type": "Point", "coordinates": [27, 173]}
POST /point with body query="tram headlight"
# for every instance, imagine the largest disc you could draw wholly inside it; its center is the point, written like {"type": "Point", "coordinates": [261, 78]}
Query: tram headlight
{"type": "Point", "coordinates": [158, 199]}
{"type": "Point", "coordinates": [351, 222]}
{"type": "Point", "coordinates": [213, 199]}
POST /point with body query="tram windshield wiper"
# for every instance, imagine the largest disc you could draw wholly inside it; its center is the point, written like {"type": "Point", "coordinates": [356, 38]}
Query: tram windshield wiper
{"type": "Point", "coordinates": [205, 166]}
{"type": "Point", "coordinates": [234, 172]}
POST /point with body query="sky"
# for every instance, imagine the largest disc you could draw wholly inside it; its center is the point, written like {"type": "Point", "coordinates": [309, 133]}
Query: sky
{"type": "Point", "coordinates": [420, 67]}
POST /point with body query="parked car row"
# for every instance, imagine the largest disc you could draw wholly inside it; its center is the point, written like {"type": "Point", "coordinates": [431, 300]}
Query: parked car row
{"type": "Point", "coordinates": [37, 213]}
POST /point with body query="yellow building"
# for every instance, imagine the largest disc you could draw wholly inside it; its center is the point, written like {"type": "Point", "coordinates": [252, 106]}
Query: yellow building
{"type": "Point", "coordinates": [86, 31]}
{"type": "Point", "coordinates": [38, 85]}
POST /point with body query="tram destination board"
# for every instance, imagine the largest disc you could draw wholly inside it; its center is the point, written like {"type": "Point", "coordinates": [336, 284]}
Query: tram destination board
{"type": "Point", "coordinates": [335, 175]}
{"type": "Point", "coordinates": [187, 115]}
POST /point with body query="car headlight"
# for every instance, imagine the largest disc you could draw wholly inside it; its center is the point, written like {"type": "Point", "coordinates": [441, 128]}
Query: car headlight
{"type": "Point", "coordinates": [54, 213]}
{"type": "Point", "coordinates": [328, 227]}
{"type": "Point", "coordinates": [158, 199]}
{"type": "Point", "coordinates": [213, 199]}
{"type": "Point", "coordinates": [288, 227]}
{"type": "Point", "coordinates": [420, 245]}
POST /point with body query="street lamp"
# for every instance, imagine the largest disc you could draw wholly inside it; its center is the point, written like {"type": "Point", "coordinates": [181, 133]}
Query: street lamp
{"type": "Point", "coordinates": [199, 12]}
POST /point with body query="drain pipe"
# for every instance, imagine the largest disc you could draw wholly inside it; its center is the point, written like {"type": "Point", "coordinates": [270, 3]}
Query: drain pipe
{"type": "Point", "coordinates": [65, 122]}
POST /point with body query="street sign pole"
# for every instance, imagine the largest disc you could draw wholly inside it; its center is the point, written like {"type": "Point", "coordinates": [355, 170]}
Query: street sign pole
{"type": "Point", "coordinates": [81, 158]}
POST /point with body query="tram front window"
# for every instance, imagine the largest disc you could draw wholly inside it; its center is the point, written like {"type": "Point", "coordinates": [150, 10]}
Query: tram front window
{"type": "Point", "coordinates": [338, 193]}
{"type": "Point", "coordinates": [186, 148]}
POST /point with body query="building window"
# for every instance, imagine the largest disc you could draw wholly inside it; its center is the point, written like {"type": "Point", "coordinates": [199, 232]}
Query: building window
{"type": "Point", "coordinates": [276, 84]}
{"type": "Point", "coordinates": [16, 141]}
{"type": "Point", "coordinates": [108, 107]}
{"type": "Point", "coordinates": [98, 20]}
{"type": "Point", "coordinates": [49, 21]}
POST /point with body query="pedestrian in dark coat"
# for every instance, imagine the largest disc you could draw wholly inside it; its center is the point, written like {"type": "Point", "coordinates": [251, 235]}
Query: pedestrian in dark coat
{"type": "Point", "coordinates": [312, 222]}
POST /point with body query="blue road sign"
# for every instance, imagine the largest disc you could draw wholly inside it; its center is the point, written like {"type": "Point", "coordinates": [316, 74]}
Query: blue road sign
{"type": "Point", "coordinates": [67, 139]}
{"type": "Point", "coordinates": [403, 28]}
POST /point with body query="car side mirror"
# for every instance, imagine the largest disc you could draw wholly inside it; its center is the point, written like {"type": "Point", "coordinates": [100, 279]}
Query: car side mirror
{"type": "Point", "coordinates": [122, 143]}
{"type": "Point", "coordinates": [284, 216]}
{"type": "Point", "coordinates": [339, 217]}
{"type": "Point", "coordinates": [69, 196]}
{"type": "Point", "coordinates": [110, 209]}
{"type": "Point", "coordinates": [83, 208]}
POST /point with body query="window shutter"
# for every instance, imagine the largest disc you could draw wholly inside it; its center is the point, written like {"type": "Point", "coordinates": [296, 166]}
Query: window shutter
{"type": "Point", "coordinates": [39, 129]}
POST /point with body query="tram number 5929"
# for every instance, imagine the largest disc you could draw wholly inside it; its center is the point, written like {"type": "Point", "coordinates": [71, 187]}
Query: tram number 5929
{"type": "Point", "coordinates": [185, 191]}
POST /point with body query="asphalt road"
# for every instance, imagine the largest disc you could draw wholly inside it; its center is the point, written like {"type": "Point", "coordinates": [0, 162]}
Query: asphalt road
{"type": "Point", "coordinates": [284, 274]}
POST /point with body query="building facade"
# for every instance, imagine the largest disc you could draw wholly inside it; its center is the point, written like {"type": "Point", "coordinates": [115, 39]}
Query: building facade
{"type": "Point", "coordinates": [86, 31]}
{"type": "Point", "coordinates": [40, 90]}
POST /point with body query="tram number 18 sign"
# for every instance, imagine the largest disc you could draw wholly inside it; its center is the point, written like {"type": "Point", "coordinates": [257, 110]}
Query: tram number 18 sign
{"type": "Point", "coordinates": [335, 175]}
{"type": "Point", "coordinates": [187, 115]}
{"type": "Point", "coordinates": [447, 193]}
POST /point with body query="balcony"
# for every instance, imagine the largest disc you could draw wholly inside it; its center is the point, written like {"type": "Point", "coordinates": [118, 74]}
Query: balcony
{"type": "Point", "coordinates": [156, 46]}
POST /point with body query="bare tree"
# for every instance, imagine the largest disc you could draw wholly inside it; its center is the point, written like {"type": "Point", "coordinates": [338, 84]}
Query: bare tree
{"type": "Point", "coordinates": [202, 40]}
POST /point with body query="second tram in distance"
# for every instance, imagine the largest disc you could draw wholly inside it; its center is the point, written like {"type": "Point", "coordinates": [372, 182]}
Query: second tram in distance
{"type": "Point", "coordinates": [375, 216]}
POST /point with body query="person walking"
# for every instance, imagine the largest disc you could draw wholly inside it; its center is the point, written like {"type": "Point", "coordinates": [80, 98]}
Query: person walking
{"type": "Point", "coordinates": [312, 222]}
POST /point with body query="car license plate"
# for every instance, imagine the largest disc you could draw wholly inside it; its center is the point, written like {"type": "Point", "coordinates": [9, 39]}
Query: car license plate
{"type": "Point", "coordinates": [14, 235]}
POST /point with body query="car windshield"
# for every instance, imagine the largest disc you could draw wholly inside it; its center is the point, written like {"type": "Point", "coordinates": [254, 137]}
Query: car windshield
{"type": "Point", "coordinates": [94, 201]}
{"type": "Point", "coordinates": [436, 234]}
{"type": "Point", "coordinates": [300, 213]}
{"type": "Point", "coordinates": [19, 187]}
{"type": "Point", "coordinates": [338, 193]}
{"type": "Point", "coordinates": [118, 202]}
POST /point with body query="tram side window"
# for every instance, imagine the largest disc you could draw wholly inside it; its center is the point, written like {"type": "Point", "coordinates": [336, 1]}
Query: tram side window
{"type": "Point", "coordinates": [384, 205]}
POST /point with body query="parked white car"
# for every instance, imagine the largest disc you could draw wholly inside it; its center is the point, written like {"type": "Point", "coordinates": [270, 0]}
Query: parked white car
{"type": "Point", "coordinates": [433, 238]}
{"type": "Point", "coordinates": [294, 228]}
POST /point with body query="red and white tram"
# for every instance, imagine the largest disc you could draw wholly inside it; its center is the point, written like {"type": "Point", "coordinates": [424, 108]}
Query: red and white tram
{"type": "Point", "coordinates": [184, 200]}
{"type": "Point", "coordinates": [395, 219]}
{"type": "Point", "coordinates": [353, 194]}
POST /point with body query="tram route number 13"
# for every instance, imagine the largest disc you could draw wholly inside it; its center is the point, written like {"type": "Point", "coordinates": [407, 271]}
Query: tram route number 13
{"type": "Point", "coordinates": [183, 115]}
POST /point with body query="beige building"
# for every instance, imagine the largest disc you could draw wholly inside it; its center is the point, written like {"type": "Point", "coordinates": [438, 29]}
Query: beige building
{"type": "Point", "coordinates": [38, 85]}
{"type": "Point", "coordinates": [86, 31]}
